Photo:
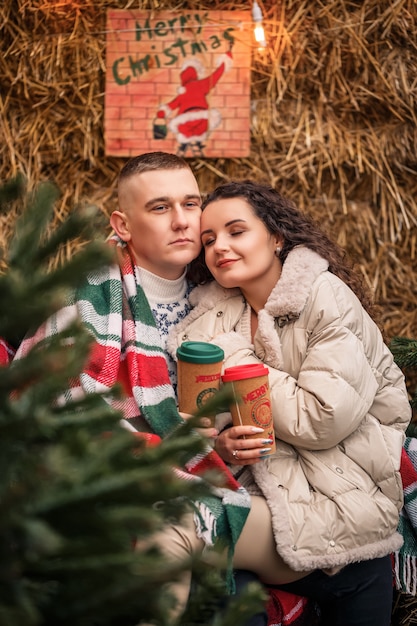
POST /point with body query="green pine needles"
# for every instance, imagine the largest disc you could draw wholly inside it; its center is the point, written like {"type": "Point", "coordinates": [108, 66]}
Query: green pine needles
{"type": "Point", "coordinates": [405, 354]}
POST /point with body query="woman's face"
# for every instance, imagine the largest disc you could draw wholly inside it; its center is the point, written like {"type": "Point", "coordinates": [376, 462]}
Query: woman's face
{"type": "Point", "coordinates": [239, 250]}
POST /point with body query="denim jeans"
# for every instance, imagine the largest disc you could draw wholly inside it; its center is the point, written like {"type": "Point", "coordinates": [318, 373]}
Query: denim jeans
{"type": "Point", "coordinates": [359, 595]}
{"type": "Point", "coordinates": [242, 579]}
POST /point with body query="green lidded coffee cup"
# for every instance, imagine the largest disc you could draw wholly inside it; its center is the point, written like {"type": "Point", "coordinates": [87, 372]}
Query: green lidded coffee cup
{"type": "Point", "coordinates": [199, 352]}
{"type": "Point", "coordinates": [199, 371]}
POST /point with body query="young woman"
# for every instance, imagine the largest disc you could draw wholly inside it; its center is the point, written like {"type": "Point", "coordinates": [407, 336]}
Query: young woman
{"type": "Point", "coordinates": [284, 295]}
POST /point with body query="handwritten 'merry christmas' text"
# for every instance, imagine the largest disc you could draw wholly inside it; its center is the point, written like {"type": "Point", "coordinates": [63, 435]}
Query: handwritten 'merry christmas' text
{"type": "Point", "coordinates": [190, 26]}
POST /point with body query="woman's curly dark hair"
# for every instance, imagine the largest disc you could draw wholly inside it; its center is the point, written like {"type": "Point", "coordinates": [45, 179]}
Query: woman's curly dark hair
{"type": "Point", "coordinates": [282, 217]}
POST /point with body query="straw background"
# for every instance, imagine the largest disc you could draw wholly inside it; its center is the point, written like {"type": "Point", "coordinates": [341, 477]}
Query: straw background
{"type": "Point", "coordinates": [334, 124]}
{"type": "Point", "coordinates": [333, 120]}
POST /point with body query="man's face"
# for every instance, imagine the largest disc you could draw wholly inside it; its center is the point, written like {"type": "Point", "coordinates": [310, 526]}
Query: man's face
{"type": "Point", "coordinates": [162, 219]}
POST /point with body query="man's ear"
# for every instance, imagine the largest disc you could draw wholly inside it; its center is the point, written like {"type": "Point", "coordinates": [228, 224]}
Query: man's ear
{"type": "Point", "coordinates": [119, 223]}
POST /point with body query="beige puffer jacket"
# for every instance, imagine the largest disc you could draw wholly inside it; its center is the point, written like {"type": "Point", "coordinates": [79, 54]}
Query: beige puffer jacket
{"type": "Point", "coordinates": [340, 411]}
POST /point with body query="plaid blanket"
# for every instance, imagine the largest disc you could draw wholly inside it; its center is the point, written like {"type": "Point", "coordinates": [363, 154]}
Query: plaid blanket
{"type": "Point", "coordinates": [6, 352]}
{"type": "Point", "coordinates": [405, 559]}
{"type": "Point", "coordinates": [128, 350]}
{"type": "Point", "coordinates": [287, 609]}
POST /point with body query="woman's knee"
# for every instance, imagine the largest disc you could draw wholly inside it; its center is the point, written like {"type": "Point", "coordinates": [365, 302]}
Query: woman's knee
{"type": "Point", "coordinates": [256, 548]}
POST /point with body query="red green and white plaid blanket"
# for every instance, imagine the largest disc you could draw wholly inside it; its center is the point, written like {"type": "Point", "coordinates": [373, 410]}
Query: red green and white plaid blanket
{"type": "Point", "coordinates": [6, 352]}
{"type": "Point", "coordinates": [287, 609]}
{"type": "Point", "coordinates": [405, 559]}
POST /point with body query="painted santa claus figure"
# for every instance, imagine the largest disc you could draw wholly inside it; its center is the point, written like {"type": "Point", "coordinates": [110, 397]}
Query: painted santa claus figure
{"type": "Point", "coordinates": [190, 117]}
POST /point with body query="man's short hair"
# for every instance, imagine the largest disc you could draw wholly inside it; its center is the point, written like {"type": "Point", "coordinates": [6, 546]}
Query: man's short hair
{"type": "Point", "coordinates": [151, 161]}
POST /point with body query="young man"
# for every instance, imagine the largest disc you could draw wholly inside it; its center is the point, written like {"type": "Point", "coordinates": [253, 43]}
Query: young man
{"type": "Point", "coordinates": [130, 306]}
{"type": "Point", "coordinates": [159, 221]}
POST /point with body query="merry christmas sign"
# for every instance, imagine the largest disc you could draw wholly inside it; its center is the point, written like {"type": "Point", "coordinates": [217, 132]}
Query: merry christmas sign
{"type": "Point", "coordinates": [178, 82]}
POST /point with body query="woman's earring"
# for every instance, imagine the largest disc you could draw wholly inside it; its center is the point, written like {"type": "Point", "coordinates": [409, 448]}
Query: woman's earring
{"type": "Point", "coordinates": [278, 251]}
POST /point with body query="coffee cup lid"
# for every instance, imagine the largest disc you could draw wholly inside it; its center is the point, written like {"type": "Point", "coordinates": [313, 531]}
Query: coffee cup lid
{"type": "Point", "coordinates": [240, 372]}
{"type": "Point", "coordinates": [199, 352]}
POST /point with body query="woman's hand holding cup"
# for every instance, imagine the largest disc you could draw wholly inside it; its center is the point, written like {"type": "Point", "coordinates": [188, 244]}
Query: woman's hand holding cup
{"type": "Point", "coordinates": [235, 445]}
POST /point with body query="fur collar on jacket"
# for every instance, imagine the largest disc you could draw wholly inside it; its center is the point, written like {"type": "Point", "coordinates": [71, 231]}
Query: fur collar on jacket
{"type": "Point", "coordinates": [287, 300]}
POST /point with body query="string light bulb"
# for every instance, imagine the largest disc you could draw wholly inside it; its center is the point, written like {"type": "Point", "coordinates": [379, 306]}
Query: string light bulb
{"type": "Point", "coordinates": [259, 29]}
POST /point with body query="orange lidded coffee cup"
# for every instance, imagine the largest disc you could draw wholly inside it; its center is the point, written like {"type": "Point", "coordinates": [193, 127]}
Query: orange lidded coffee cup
{"type": "Point", "coordinates": [199, 372]}
{"type": "Point", "coordinates": [252, 404]}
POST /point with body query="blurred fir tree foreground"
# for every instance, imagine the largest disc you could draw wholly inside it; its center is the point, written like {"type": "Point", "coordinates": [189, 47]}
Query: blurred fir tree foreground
{"type": "Point", "coordinates": [76, 489]}
{"type": "Point", "coordinates": [404, 350]}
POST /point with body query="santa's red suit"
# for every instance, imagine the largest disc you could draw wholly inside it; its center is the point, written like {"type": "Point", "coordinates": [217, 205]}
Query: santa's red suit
{"type": "Point", "coordinates": [194, 118]}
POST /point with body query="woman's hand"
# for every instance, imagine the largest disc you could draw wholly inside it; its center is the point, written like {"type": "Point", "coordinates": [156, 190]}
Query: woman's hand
{"type": "Point", "coordinates": [235, 445]}
{"type": "Point", "coordinates": [206, 428]}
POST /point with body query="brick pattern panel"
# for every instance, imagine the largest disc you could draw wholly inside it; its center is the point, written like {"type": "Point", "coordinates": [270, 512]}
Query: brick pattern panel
{"type": "Point", "coordinates": [178, 83]}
